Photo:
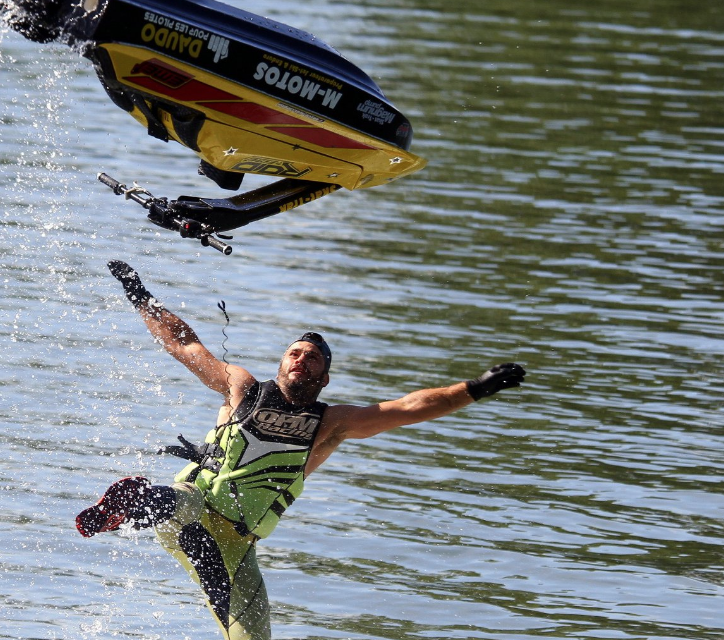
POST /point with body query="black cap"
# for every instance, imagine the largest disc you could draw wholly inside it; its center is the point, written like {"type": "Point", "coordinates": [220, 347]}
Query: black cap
{"type": "Point", "coordinates": [318, 341]}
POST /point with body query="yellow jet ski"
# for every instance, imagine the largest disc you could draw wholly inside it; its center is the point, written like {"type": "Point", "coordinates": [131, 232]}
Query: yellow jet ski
{"type": "Point", "coordinates": [247, 94]}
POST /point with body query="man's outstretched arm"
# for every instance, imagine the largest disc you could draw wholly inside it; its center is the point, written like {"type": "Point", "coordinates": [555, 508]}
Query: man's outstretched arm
{"type": "Point", "coordinates": [348, 421]}
{"type": "Point", "coordinates": [178, 338]}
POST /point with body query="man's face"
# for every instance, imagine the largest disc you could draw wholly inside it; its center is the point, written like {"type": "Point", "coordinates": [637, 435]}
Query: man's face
{"type": "Point", "coordinates": [302, 374]}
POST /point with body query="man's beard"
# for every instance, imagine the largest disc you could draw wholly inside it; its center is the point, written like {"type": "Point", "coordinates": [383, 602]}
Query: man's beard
{"type": "Point", "coordinates": [300, 392]}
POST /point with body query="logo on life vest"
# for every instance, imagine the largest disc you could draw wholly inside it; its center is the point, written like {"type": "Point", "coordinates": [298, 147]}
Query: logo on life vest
{"type": "Point", "coordinates": [276, 423]}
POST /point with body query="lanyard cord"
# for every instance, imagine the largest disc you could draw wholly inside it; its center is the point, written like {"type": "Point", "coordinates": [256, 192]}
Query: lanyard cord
{"type": "Point", "coordinates": [222, 306]}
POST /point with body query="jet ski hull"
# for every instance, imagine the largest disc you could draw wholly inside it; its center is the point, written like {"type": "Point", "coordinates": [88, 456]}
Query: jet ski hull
{"type": "Point", "coordinates": [247, 94]}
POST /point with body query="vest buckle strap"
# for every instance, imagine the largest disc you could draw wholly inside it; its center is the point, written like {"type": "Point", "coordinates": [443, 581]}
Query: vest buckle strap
{"type": "Point", "coordinates": [204, 455]}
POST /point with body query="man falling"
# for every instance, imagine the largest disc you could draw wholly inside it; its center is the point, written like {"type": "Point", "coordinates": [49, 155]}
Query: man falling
{"type": "Point", "coordinates": [269, 437]}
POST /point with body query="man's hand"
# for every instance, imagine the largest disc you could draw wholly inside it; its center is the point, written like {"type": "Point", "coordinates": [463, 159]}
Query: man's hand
{"type": "Point", "coordinates": [501, 376]}
{"type": "Point", "coordinates": [132, 285]}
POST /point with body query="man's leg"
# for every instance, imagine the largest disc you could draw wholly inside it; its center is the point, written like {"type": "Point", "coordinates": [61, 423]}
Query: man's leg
{"type": "Point", "coordinates": [129, 500]}
{"type": "Point", "coordinates": [221, 561]}
{"type": "Point", "coordinates": [249, 611]}
{"type": "Point", "coordinates": [217, 557]}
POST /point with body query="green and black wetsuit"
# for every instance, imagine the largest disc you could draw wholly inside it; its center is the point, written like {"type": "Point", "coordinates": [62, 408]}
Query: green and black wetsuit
{"type": "Point", "coordinates": [250, 471]}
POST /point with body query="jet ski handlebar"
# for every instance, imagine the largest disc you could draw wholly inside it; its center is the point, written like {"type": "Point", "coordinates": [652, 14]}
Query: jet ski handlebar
{"type": "Point", "coordinates": [201, 218]}
{"type": "Point", "coordinates": [165, 215]}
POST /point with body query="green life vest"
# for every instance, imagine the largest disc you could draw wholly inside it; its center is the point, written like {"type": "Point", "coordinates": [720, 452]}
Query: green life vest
{"type": "Point", "coordinates": [252, 468]}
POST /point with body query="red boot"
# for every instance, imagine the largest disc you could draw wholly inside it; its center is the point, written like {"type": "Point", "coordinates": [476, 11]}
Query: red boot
{"type": "Point", "coordinates": [119, 504]}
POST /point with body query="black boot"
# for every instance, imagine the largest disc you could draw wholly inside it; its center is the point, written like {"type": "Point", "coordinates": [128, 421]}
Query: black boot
{"type": "Point", "coordinates": [128, 501]}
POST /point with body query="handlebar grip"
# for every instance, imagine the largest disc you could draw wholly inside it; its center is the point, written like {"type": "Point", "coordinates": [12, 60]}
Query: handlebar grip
{"type": "Point", "coordinates": [116, 186]}
{"type": "Point", "coordinates": [210, 241]}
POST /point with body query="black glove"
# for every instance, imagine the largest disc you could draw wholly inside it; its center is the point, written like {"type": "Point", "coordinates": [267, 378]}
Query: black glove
{"type": "Point", "coordinates": [132, 285]}
{"type": "Point", "coordinates": [501, 376]}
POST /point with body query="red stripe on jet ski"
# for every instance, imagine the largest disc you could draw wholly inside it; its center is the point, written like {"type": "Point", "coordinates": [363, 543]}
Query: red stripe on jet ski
{"type": "Point", "coordinates": [261, 115]}
{"type": "Point", "coordinates": [192, 91]}
{"type": "Point", "coordinates": [252, 112]}
{"type": "Point", "coordinates": [321, 138]}
{"type": "Point", "coordinates": [208, 96]}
